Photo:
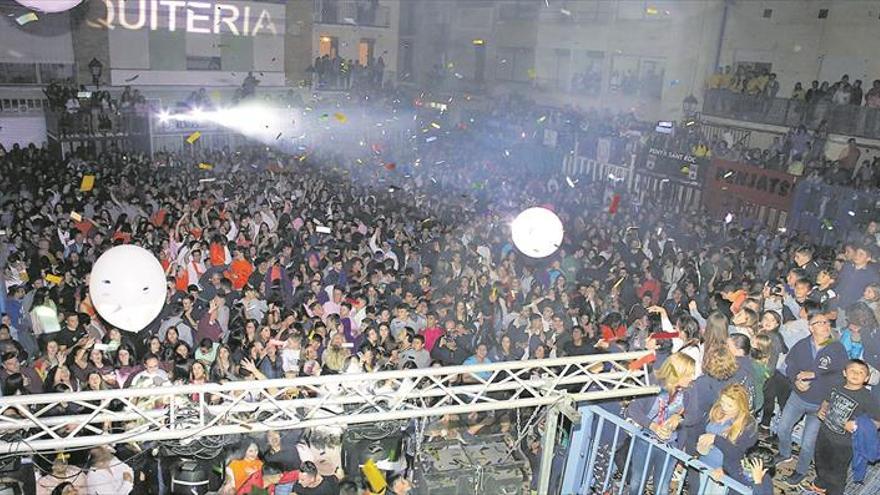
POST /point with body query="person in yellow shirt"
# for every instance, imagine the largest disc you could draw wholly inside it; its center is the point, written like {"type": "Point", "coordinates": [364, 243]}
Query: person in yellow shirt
{"type": "Point", "coordinates": [716, 80]}
{"type": "Point", "coordinates": [701, 150]}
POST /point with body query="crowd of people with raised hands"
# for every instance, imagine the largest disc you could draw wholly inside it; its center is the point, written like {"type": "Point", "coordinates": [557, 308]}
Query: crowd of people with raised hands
{"type": "Point", "coordinates": [753, 329]}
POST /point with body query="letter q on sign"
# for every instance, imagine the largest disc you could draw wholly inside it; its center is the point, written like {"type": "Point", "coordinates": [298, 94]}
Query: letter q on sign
{"type": "Point", "coordinates": [127, 287]}
{"type": "Point", "coordinates": [50, 6]}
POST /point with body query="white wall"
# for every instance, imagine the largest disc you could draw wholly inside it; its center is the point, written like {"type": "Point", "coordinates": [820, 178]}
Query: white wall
{"type": "Point", "coordinates": [23, 130]}
{"type": "Point", "coordinates": [803, 47]}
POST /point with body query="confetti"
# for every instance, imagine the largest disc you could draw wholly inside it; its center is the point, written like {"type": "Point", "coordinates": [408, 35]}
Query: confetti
{"type": "Point", "coordinates": [205, 166]}
{"type": "Point", "coordinates": [652, 11]}
{"type": "Point", "coordinates": [26, 18]}
{"type": "Point", "coordinates": [390, 166]}
{"type": "Point", "coordinates": [827, 224]}
{"type": "Point", "coordinates": [729, 173]}
{"type": "Point", "coordinates": [728, 218]}
{"type": "Point", "coordinates": [278, 136]}
{"type": "Point", "coordinates": [533, 74]}
{"type": "Point", "coordinates": [193, 137]}
{"type": "Point", "coordinates": [458, 76]}
{"type": "Point", "coordinates": [565, 12]}
{"type": "Point", "coordinates": [542, 119]}
{"type": "Point", "coordinates": [130, 79]}
{"type": "Point", "coordinates": [210, 179]}
{"type": "Point", "coordinates": [76, 217]}
{"type": "Point", "coordinates": [431, 139]}
{"type": "Point", "coordinates": [571, 183]}
{"type": "Point", "coordinates": [87, 184]}
{"type": "Point", "coordinates": [324, 116]}
{"type": "Point", "coordinates": [340, 117]}
{"type": "Point", "coordinates": [851, 213]}
{"type": "Point", "coordinates": [433, 180]}
{"type": "Point", "coordinates": [435, 125]}
{"type": "Point", "coordinates": [321, 229]}
{"type": "Point", "coordinates": [685, 170]}
{"type": "Point", "coordinates": [53, 279]}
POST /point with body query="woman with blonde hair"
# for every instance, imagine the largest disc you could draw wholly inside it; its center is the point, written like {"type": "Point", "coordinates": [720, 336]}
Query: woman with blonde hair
{"type": "Point", "coordinates": [661, 414]}
{"type": "Point", "coordinates": [720, 369]}
{"type": "Point", "coordinates": [731, 431]}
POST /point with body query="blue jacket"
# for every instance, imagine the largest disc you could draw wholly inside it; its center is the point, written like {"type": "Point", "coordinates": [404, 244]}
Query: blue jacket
{"type": "Point", "coordinates": [827, 364]}
{"type": "Point", "coordinates": [866, 447]}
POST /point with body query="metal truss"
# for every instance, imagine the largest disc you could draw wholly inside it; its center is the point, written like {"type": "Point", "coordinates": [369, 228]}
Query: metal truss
{"type": "Point", "coordinates": [29, 423]}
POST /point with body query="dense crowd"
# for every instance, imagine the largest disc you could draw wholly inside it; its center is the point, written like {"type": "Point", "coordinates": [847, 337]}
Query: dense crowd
{"type": "Point", "coordinates": [752, 329]}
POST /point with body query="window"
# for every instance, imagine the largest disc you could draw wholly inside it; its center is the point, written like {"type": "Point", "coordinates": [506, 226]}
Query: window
{"type": "Point", "coordinates": [50, 72]}
{"type": "Point", "coordinates": [405, 62]}
{"type": "Point", "coordinates": [589, 66]}
{"type": "Point", "coordinates": [14, 73]}
{"type": "Point", "coordinates": [365, 50]}
{"type": "Point", "coordinates": [823, 13]}
{"type": "Point", "coordinates": [328, 45]}
{"type": "Point", "coordinates": [768, 13]}
{"type": "Point", "coordinates": [196, 62]}
{"type": "Point", "coordinates": [514, 63]}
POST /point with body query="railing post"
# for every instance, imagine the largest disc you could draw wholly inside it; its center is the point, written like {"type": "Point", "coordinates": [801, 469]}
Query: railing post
{"type": "Point", "coordinates": [577, 452]}
{"type": "Point", "coordinates": [548, 445]}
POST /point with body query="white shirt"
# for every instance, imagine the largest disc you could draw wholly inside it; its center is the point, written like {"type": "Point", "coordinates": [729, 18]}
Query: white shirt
{"type": "Point", "coordinates": [110, 480]}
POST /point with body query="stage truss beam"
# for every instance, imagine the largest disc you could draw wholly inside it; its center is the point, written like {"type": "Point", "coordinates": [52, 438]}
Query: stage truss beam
{"type": "Point", "coordinates": [184, 412]}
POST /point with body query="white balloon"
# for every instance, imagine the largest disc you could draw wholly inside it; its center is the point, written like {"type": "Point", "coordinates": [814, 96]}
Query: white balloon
{"type": "Point", "coordinates": [50, 6]}
{"type": "Point", "coordinates": [537, 232]}
{"type": "Point", "coordinates": [127, 287]}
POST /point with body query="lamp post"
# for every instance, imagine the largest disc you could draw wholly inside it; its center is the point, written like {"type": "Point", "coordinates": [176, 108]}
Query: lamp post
{"type": "Point", "coordinates": [96, 68]}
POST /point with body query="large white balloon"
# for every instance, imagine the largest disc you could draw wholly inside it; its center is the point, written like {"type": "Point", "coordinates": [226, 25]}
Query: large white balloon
{"type": "Point", "coordinates": [50, 6]}
{"type": "Point", "coordinates": [127, 287]}
{"type": "Point", "coordinates": [537, 232]}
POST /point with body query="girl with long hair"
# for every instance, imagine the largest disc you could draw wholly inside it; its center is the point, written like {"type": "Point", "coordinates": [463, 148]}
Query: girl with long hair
{"type": "Point", "coordinates": [731, 431]}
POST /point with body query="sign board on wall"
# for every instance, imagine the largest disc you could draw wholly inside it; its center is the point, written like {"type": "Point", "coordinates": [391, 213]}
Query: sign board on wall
{"type": "Point", "coordinates": [680, 167]}
{"type": "Point", "coordinates": [204, 43]}
{"type": "Point", "coordinates": [731, 183]}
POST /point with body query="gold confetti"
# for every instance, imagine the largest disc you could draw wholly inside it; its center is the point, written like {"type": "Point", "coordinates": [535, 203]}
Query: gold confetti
{"type": "Point", "coordinates": [205, 166]}
{"type": "Point", "coordinates": [26, 18]}
{"type": "Point", "coordinates": [340, 117]}
{"type": "Point", "coordinates": [193, 137]}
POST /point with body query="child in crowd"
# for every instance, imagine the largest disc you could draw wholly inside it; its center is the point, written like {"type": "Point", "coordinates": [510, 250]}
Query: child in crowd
{"type": "Point", "coordinates": [839, 411]}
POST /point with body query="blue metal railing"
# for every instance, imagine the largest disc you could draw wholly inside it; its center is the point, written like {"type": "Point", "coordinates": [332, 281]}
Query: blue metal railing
{"type": "Point", "coordinates": [604, 440]}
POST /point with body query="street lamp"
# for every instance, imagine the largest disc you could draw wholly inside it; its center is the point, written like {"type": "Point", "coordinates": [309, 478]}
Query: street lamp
{"type": "Point", "coordinates": [96, 67]}
{"type": "Point", "coordinates": [690, 105]}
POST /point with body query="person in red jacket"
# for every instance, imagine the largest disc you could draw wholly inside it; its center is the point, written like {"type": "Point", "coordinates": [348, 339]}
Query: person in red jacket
{"type": "Point", "coordinates": [272, 478]}
{"type": "Point", "coordinates": [239, 270]}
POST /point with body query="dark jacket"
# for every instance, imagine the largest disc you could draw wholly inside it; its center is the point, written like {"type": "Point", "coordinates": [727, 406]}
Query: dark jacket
{"type": "Point", "coordinates": [827, 364]}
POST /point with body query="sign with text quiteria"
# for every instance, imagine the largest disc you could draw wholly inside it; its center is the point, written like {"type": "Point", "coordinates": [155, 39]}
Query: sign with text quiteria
{"type": "Point", "coordinates": [730, 182]}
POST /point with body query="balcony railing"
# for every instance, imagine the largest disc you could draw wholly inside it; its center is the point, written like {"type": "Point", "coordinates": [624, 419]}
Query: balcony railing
{"type": "Point", "coordinates": [352, 12]}
{"type": "Point", "coordinates": [849, 120]}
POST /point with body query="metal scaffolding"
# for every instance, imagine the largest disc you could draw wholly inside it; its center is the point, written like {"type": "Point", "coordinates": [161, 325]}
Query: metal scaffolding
{"type": "Point", "coordinates": [30, 423]}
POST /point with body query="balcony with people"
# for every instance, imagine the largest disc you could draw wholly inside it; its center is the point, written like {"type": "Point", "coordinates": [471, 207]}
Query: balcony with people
{"type": "Point", "coordinates": [843, 107]}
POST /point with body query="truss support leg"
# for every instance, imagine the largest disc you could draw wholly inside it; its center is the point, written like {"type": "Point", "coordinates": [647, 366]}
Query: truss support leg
{"type": "Point", "coordinates": [548, 447]}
